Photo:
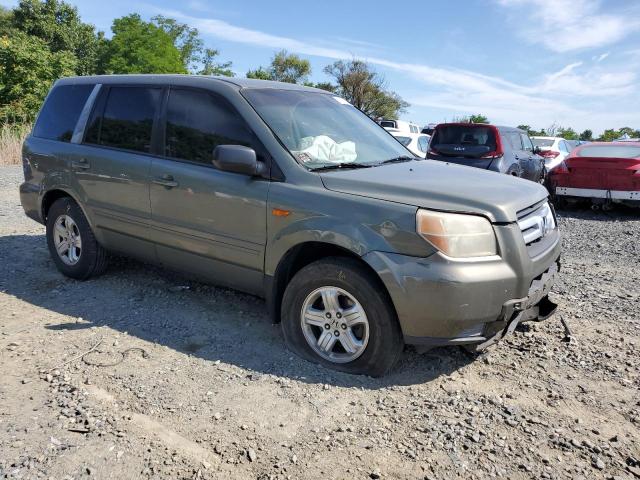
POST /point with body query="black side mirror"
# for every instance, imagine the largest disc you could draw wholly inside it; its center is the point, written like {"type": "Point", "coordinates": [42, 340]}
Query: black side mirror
{"type": "Point", "coordinates": [237, 159]}
{"type": "Point", "coordinates": [537, 150]}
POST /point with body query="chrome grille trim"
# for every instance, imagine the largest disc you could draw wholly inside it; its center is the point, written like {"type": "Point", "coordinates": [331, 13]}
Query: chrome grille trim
{"type": "Point", "coordinates": [536, 224]}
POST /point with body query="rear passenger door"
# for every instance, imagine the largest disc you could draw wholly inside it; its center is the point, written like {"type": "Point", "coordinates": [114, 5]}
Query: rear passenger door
{"type": "Point", "coordinates": [112, 169]}
{"type": "Point", "coordinates": [534, 164]}
{"type": "Point", "coordinates": [208, 221]}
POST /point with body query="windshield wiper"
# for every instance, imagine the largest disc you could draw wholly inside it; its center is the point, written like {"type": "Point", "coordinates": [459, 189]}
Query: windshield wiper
{"type": "Point", "coordinates": [400, 159]}
{"type": "Point", "coordinates": [341, 165]}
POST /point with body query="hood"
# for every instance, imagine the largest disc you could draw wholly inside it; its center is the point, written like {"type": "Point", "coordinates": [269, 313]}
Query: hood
{"type": "Point", "coordinates": [440, 186]}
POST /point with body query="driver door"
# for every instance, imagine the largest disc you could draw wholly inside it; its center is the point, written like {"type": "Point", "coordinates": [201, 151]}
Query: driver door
{"type": "Point", "coordinates": [209, 222]}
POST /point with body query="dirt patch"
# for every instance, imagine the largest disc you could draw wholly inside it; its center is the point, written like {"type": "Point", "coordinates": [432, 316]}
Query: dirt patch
{"type": "Point", "coordinates": [217, 395]}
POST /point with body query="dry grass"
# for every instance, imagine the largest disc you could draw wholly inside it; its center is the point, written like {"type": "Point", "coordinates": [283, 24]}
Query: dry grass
{"type": "Point", "coordinates": [11, 138]}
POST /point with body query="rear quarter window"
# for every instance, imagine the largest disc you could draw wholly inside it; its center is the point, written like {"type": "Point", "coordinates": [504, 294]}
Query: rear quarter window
{"type": "Point", "coordinates": [60, 112]}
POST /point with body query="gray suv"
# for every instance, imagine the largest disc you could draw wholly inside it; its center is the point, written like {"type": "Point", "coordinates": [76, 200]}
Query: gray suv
{"type": "Point", "coordinates": [292, 194]}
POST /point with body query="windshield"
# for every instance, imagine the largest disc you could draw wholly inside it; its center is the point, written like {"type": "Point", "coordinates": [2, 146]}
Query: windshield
{"type": "Point", "coordinates": [321, 130]}
{"type": "Point", "coordinates": [543, 142]}
{"type": "Point", "coordinates": [404, 140]}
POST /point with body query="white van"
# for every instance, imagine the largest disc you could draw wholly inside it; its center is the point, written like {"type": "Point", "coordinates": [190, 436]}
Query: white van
{"type": "Point", "coordinates": [400, 126]}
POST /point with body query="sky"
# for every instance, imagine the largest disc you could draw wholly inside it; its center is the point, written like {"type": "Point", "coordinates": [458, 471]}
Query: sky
{"type": "Point", "coordinates": [575, 63]}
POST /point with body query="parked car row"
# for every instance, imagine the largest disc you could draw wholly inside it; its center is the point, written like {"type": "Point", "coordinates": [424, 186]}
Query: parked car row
{"type": "Point", "coordinates": [292, 194]}
{"type": "Point", "coordinates": [602, 172]}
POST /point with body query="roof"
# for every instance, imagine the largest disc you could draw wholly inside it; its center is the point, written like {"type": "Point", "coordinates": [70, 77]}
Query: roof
{"type": "Point", "coordinates": [470, 124]}
{"type": "Point", "coordinates": [160, 78]}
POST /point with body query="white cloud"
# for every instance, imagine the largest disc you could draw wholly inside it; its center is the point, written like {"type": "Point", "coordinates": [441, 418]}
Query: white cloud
{"type": "Point", "coordinates": [566, 25]}
{"type": "Point", "coordinates": [578, 94]}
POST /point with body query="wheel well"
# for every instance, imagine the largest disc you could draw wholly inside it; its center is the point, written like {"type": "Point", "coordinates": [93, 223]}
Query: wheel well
{"type": "Point", "coordinates": [296, 259]}
{"type": "Point", "coordinates": [48, 200]}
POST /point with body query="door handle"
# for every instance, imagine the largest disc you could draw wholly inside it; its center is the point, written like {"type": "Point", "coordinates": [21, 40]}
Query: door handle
{"type": "Point", "coordinates": [166, 181]}
{"type": "Point", "coordinates": [81, 164]}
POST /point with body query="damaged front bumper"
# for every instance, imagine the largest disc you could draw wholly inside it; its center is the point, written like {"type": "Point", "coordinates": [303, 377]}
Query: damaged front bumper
{"type": "Point", "coordinates": [535, 306]}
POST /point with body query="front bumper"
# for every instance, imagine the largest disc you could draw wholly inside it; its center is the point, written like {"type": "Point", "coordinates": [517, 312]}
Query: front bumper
{"type": "Point", "coordinates": [441, 301]}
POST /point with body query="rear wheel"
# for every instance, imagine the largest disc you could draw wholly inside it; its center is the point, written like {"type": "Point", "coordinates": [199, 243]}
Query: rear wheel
{"type": "Point", "coordinates": [336, 313]}
{"type": "Point", "coordinates": [72, 245]}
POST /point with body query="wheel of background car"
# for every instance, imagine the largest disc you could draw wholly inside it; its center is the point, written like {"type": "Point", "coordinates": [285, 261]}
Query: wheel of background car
{"type": "Point", "coordinates": [515, 171]}
{"type": "Point", "coordinates": [336, 313]}
{"type": "Point", "coordinates": [71, 242]}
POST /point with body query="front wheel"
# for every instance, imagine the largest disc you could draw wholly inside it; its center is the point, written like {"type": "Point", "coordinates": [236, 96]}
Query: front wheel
{"type": "Point", "coordinates": [336, 313]}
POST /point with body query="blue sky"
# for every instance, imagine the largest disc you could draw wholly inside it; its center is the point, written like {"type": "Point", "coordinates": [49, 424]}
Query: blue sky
{"type": "Point", "coordinates": [570, 62]}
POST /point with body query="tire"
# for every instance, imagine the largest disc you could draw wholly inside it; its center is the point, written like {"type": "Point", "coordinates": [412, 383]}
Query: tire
{"type": "Point", "coordinates": [514, 171]}
{"type": "Point", "coordinates": [86, 258]}
{"type": "Point", "coordinates": [374, 339]}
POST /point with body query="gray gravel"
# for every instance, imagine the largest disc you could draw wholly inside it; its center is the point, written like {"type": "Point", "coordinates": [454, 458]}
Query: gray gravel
{"type": "Point", "coordinates": [186, 380]}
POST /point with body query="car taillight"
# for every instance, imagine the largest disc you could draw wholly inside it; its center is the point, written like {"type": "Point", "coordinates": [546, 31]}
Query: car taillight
{"type": "Point", "coordinates": [561, 168]}
{"type": "Point", "coordinates": [433, 151]}
{"type": "Point", "coordinates": [549, 154]}
{"type": "Point", "coordinates": [492, 155]}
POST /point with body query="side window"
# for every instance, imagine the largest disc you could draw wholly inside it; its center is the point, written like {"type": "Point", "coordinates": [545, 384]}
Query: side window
{"type": "Point", "coordinates": [61, 111]}
{"type": "Point", "coordinates": [198, 121]}
{"type": "Point", "coordinates": [514, 140]}
{"type": "Point", "coordinates": [423, 144]}
{"type": "Point", "coordinates": [565, 147]}
{"type": "Point", "coordinates": [123, 118]}
{"type": "Point", "coordinates": [526, 142]}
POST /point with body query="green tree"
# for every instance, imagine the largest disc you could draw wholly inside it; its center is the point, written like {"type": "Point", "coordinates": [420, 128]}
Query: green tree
{"type": "Point", "coordinates": [195, 57]}
{"type": "Point", "coordinates": [633, 133]}
{"type": "Point", "coordinates": [586, 135]}
{"type": "Point", "coordinates": [567, 133]}
{"type": "Point", "coordinates": [27, 70]}
{"type": "Point", "coordinates": [58, 25]}
{"type": "Point", "coordinates": [142, 47]}
{"type": "Point", "coordinates": [365, 89]}
{"type": "Point", "coordinates": [609, 135]}
{"type": "Point", "coordinates": [259, 74]}
{"type": "Point", "coordinates": [284, 67]}
{"type": "Point", "coordinates": [478, 118]}
{"type": "Point", "coordinates": [289, 68]}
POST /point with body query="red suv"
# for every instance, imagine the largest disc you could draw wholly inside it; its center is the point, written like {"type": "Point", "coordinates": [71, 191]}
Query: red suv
{"type": "Point", "coordinates": [501, 149]}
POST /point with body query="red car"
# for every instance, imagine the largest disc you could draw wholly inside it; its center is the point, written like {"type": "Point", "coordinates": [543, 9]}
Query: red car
{"type": "Point", "coordinates": [602, 172]}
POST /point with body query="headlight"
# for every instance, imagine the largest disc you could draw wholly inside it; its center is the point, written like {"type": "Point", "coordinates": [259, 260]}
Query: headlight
{"type": "Point", "coordinates": [457, 235]}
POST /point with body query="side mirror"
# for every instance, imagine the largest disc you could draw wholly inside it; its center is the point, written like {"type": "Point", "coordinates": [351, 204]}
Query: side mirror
{"type": "Point", "coordinates": [537, 150]}
{"type": "Point", "coordinates": [237, 159]}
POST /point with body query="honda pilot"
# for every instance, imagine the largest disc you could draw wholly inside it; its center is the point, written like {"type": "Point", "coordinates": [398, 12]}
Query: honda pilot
{"type": "Point", "coordinates": [292, 194]}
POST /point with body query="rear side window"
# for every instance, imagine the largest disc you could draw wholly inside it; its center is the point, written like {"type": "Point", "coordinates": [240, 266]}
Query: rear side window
{"type": "Point", "coordinates": [610, 151]}
{"type": "Point", "coordinates": [388, 124]}
{"type": "Point", "coordinates": [61, 111]}
{"type": "Point", "coordinates": [124, 118]}
{"type": "Point", "coordinates": [423, 144]}
{"type": "Point", "coordinates": [199, 121]}
{"type": "Point", "coordinates": [514, 140]}
{"type": "Point", "coordinates": [526, 142]}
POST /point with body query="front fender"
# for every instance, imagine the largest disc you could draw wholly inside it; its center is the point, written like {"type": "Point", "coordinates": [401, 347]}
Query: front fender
{"type": "Point", "coordinates": [355, 223]}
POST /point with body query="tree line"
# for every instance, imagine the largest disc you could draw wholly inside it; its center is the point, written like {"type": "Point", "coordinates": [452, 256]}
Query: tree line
{"type": "Point", "coordinates": [43, 40]}
{"type": "Point", "coordinates": [567, 133]}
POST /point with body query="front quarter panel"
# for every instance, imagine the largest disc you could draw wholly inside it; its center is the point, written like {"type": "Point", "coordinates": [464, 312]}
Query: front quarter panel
{"type": "Point", "coordinates": [358, 224]}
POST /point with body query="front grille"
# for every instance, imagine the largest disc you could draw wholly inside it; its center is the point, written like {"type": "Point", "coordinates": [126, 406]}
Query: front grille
{"type": "Point", "coordinates": [536, 222]}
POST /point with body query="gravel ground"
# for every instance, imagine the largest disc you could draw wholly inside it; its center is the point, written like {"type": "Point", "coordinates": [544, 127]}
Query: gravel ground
{"type": "Point", "coordinates": [186, 380]}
